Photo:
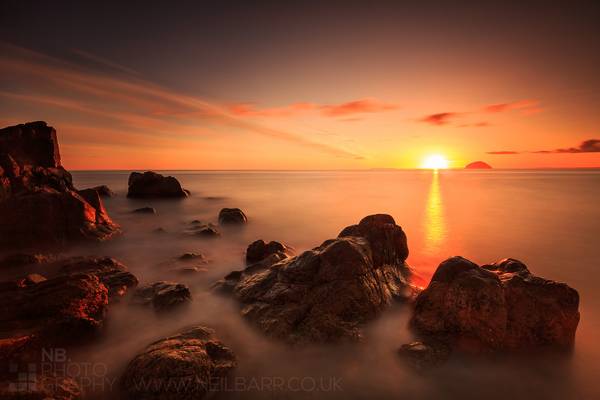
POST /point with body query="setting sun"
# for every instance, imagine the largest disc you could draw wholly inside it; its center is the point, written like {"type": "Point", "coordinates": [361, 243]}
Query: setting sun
{"type": "Point", "coordinates": [435, 161]}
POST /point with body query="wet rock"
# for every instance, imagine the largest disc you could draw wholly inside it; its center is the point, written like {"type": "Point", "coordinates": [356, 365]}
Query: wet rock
{"type": "Point", "coordinates": [152, 184]}
{"type": "Point", "coordinates": [259, 250]}
{"type": "Point", "coordinates": [203, 230]}
{"type": "Point", "coordinates": [232, 216]}
{"type": "Point", "coordinates": [145, 210]}
{"type": "Point", "coordinates": [32, 279]}
{"type": "Point", "coordinates": [39, 206]}
{"type": "Point", "coordinates": [163, 295]}
{"type": "Point", "coordinates": [326, 294]}
{"type": "Point", "coordinates": [189, 365]}
{"type": "Point", "coordinates": [497, 307]}
{"type": "Point", "coordinates": [195, 257]}
{"type": "Point", "coordinates": [113, 274]}
{"type": "Point", "coordinates": [104, 191]}
{"type": "Point", "coordinates": [64, 308]}
{"type": "Point", "coordinates": [423, 356]}
{"type": "Point", "coordinates": [187, 263]}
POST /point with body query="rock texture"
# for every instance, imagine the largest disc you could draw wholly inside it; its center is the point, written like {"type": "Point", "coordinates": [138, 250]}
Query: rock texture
{"type": "Point", "coordinates": [259, 250]}
{"type": "Point", "coordinates": [39, 206]}
{"type": "Point", "coordinates": [189, 365]}
{"type": "Point", "coordinates": [152, 184]}
{"type": "Point", "coordinates": [58, 309]}
{"type": "Point", "coordinates": [104, 191]}
{"type": "Point", "coordinates": [232, 216]}
{"type": "Point", "coordinates": [495, 307]}
{"type": "Point", "coordinates": [163, 295]}
{"type": "Point", "coordinates": [326, 294]}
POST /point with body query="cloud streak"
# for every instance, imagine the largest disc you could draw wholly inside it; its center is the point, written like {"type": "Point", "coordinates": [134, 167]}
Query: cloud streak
{"type": "Point", "coordinates": [587, 146]}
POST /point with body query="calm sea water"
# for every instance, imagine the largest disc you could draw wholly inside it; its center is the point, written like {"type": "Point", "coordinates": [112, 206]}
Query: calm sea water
{"type": "Point", "coordinates": [548, 219]}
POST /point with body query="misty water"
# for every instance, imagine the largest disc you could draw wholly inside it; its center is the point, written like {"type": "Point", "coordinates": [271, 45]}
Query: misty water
{"type": "Point", "coordinates": [548, 219]}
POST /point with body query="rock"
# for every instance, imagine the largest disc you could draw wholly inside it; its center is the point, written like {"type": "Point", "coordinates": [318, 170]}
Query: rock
{"type": "Point", "coordinates": [232, 216]}
{"type": "Point", "coordinates": [151, 184]}
{"type": "Point", "coordinates": [497, 307]}
{"type": "Point", "coordinates": [22, 259]}
{"type": "Point", "coordinates": [111, 273]}
{"type": "Point", "coordinates": [326, 294]}
{"type": "Point", "coordinates": [57, 310]}
{"type": "Point", "coordinates": [196, 257]}
{"type": "Point", "coordinates": [203, 230]}
{"type": "Point", "coordinates": [163, 295]}
{"type": "Point", "coordinates": [423, 356]}
{"type": "Point", "coordinates": [39, 206]}
{"type": "Point", "coordinates": [145, 210]}
{"type": "Point", "coordinates": [32, 279]}
{"type": "Point", "coordinates": [189, 365]}
{"type": "Point", "coordinates": [478, 165]}
{"type": "Point", "coordinates": [104, 191]}
{"type": "Point", "coordinates": [259, 250]}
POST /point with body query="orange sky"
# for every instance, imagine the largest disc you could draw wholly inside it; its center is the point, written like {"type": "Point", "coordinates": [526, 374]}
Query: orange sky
{"type": "Point", "coordinates": [374, 105]}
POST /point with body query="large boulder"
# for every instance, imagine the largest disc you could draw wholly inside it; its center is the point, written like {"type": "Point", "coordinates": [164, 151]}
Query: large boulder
{"type": "Point", "coordinates": [232, 216]}
{"type": "Point", "coordinates": [39, 206]}
{"type": "Point", "coordinates": [497, 307]}
{"type": "Point", "coordinates": [326, 294]}
{"type": "Point", "coordinates": [152, 184]}
{"type": "Point", "coordinates": [259, 250]}
{"type": "Point", "coordinates": [64, 308]}
{"type": "Point", "coordinates": [189, 365]}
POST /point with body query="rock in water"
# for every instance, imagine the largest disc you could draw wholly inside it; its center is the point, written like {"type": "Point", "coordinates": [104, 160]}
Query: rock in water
{"type": "Point", "coordinates": [326, 294]}
{"type": "Point", "coordinates": [39, 207]}
{"type": "Point", "coordinates": [259, 250]}
{"type": "Point", "coordinates": [232, 216]}
{"type": "Point", "coordinates": [495, 307]}
{"type": "Point", "coordinates": [151, 184]}
{"type": "Point", "coordinates": [104, 191]}
{"type": "Point", "coordinates": [163, 295]}
{"type": "Point", "coordinates": [190, 365]}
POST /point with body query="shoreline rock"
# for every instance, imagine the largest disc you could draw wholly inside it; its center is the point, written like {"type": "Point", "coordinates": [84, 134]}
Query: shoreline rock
{"type": "Point", "coordinates": [152, 184]}
{"type": "Point", "coordinates": [232, 216]}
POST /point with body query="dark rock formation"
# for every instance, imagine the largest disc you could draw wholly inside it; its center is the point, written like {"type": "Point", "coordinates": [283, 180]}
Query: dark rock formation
{"type": "Point", "coordinates": [259, 250]}
{"type": "Point", "coordinates": [111, 273]}
{"type": "Point", "coordinates": [104, 191]}
{"type": "Point", "coordinates": [478, 165]}
{"type": "Point", "coordinates": [328, 293]}
{"type": "Point", "coordinates": [196, 257]}
{"type": "Point", "coordinates": [201, 229]}
{"type": "Point", "coordinates": [64, 308]}
{"type": "Point", "coordinates": [145, 210]}
{"type": "Point", "coordinates": [151, 184]}
{"type": "Point", "coordinates": [39, 206]}
{"type": "Point", "coordinates": [163, 295]}
{"type": "Point", "coordinates": [189, 365]}
{"type": "Point", "coordinates": [495, 307]}
{"type": "Point", "coordinates": [232, 216]}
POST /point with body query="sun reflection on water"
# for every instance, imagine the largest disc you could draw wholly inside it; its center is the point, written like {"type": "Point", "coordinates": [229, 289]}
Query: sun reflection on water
{"type": "Point", "coordinates": [434, 222]}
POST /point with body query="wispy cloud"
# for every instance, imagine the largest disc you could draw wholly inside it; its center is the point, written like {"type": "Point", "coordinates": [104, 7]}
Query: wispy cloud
{"type": "Point", "coordinates": [524, 106]}
{"type": "Point", "coordinates": [439, 119]}
{"type": "Point", "coordinates": [502, 152]}
{"type": "Point", "coordinates": [128, 103]}
{"type": "Point", "coordinates": [587, 146]}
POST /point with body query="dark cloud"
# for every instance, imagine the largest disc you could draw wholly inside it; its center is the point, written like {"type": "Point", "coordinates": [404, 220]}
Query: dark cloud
{"type": "Point", "coordinates": [439, 118]}
{"type": "Point", "coordinates": [587, 146]}
{"type": "Point", "coordinates": [502, 152]}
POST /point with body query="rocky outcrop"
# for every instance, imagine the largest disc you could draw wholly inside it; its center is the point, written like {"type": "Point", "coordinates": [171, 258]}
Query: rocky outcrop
{"type": "Point", "coordinates": [189, 365]}
{"type": "Point", "coordinates": [232, 216]}
{"type": "Point", "coordinates": [104, 191]}
{"type": "Point", "coordinates": [326, 294]}
{"type": "Point", "coordinates": [54, 310]}
{"type": "Point", "coordinates": [163, 295]}
{"type": "Point", "coordinates": [259, 250]}
{"type": "Point", "coordinates": [497, 307]}
{"type": "Point", "coordinates": [39, 206]}
{"type": "Point", "coordinates": [152, 184]}
{"type": "Point", "coordinates": [114, 275]}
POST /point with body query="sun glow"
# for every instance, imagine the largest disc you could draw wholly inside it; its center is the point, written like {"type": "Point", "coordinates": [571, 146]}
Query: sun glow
{"type": "Point", "coordinates": [435, 161]}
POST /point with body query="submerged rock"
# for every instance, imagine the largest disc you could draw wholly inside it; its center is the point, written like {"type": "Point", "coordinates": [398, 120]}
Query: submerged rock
{"type": "Point", "coordinates": [232, 216]}
{"type": "Point", "coordinates": [189, 365]}
{"type": "Point", "coordinates": [198, 228]}
{"type": "Point", "coordinates": [104, 191]}
{"type": "Point", "coordinates": [497, 307]}
{"type": "Point", "coordinates": [39, 206]}
{"type": "Point", "coordinates": [326, 294]}
{"type": "Point", "coordinates": [163, 295]}
{"type": "Point", "coordinates": [259, 250]}
{"type": "Point", "coordinates": [423, 356]}
{"type": "Point", "coordinates": [152, 184]}
{"type": "Point", "coordinates": [145, 210]}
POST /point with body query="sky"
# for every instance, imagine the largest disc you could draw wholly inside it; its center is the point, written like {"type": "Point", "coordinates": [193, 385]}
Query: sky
{"type": "Point", "coordinates": [305, 85]}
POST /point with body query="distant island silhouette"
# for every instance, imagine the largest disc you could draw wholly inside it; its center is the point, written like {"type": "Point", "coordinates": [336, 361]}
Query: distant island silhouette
{"type": "Point", "coordinates": [478, 165]}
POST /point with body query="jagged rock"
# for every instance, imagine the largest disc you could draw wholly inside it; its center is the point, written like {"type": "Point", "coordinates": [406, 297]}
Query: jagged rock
{"type": "Point", "coordinates": [259, 250]}
{"type": "Point", "coordinates": [326, 294]}
{"type": "Point", "coordinates": [39, 207]}
{"type": "Point", "coordinates": [189, 365]}
{"type": "Point", "coordinates": [163, 295]}
{"type": "Point", "coordinates": [58, 309]}
{"type": "Point", "coordinates": [104, 191]}
{"type": "Point", "coordinates": [111, 272]}
{"type": "Point", "coordinates": [145, 210]}
{"type": "Point", "coordinates": [497, 307]}
{"type": "Point", "coordinates": [152, 184]}
{"type": "Point", "coordinates": [232, 216]}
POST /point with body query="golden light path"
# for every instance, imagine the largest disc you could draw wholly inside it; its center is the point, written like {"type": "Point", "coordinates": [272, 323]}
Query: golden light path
{"type": "Point", "coordinates": [434, 222]}
{"type": "Point", "coordinates": [435, 161]}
